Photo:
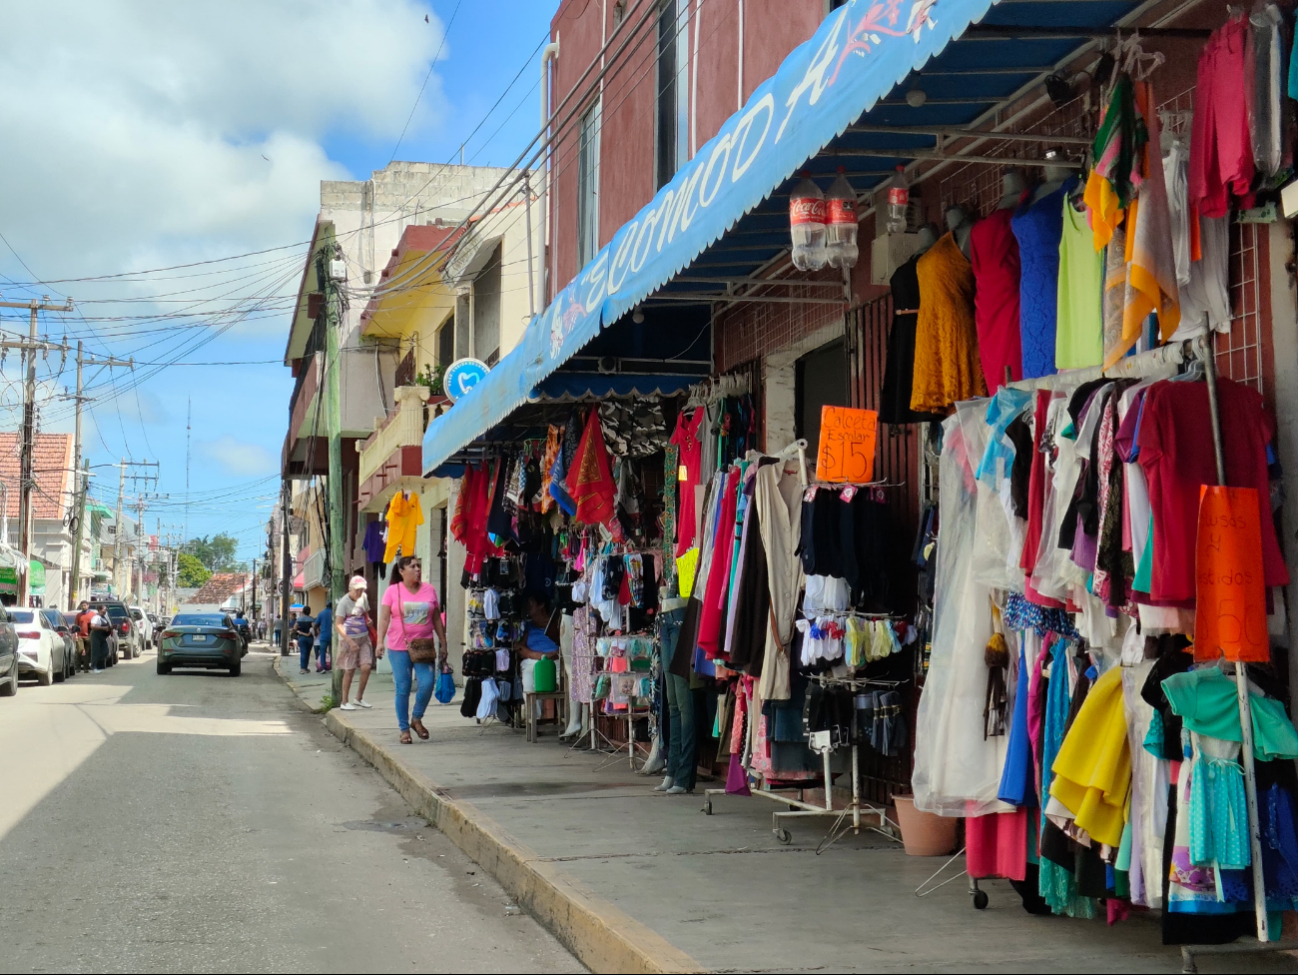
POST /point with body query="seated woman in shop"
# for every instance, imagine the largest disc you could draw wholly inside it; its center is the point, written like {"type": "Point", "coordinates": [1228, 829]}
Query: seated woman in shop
{"type": "Point", "coordinates": [536, 640]}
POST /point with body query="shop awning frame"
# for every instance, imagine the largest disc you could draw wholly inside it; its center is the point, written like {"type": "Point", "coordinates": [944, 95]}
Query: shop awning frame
{"type": "Point", "coordinates": [839, 96]}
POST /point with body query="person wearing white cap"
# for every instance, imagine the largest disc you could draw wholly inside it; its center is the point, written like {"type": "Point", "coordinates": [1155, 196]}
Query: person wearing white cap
{"type": "Point", "coordinates": [355, 649]}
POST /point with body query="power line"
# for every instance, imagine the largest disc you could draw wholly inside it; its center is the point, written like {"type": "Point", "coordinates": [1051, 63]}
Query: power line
{"type": "Point", "coordinates": [431, 66]}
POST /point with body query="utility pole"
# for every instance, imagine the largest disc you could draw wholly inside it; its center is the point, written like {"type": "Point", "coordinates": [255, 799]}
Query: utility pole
{"type": "Point", "coordinates": [80, 490]}
{"type": "Point", "coordinates": [337, 546]}
{"type": "Point", "coordinates": [286, 569]}
{"type": "Point", "coordinates": [28, 438]}
{"type": "Point", "coordinates": [74, 581]}
{"type": "Point", "coordinates": [117, 534]}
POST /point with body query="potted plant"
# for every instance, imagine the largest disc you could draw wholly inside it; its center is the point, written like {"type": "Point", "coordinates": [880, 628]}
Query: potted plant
{"type": "Point", "coordinates": [431, 378]}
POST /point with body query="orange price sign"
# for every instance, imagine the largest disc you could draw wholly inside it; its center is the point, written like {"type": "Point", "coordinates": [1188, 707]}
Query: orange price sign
{"type": "Point", "coordinates": [1230, 594]}
{"type": "Point", "coordinates": [846, 451]}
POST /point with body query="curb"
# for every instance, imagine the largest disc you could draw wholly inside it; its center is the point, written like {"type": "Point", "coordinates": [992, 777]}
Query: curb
{"type": "Point", "coordinates": [601, 936]}
{"type": "Point", "coordinates": [302, 702]}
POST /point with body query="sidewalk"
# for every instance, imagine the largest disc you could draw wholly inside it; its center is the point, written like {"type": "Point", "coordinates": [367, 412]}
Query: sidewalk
{"type": "Point", "coordinates": [631, 880]}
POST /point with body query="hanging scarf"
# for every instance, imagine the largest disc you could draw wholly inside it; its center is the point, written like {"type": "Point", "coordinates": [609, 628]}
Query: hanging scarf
{"type": "Point", "coordinates": [590, 480]}
{"type": "Point", "coordinates": [1151, 262]}
{"type": "Point", "coordinates": [1117, 151]}
{"type": "Point", "coordinates": [553, 441]}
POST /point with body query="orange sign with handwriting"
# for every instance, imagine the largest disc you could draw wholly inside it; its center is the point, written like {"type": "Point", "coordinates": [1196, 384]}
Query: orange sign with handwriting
{"type": "Point", "coordinates": [1230, 607]}
{"type": "Point", "coordinates": [847, 437]}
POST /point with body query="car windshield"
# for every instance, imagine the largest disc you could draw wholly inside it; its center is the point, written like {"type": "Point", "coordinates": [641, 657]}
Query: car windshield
{"type": "Point", "coordinates": [136, 614]}
{"type": "Point", "coordinates": [22, 615]}
{"type": "Point", "coordinates": [198, 619]}
{"type": "Point", "coordinates": [52, 618]}
{"type": "Point", "coordinates": [117, 613]}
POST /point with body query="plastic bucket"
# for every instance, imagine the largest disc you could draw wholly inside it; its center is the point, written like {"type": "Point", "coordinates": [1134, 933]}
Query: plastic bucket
{"type": "Point", "coordinates": [924, 834]}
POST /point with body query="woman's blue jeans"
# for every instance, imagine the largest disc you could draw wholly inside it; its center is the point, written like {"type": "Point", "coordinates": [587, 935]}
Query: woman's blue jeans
{"type": "Point", "coordinates": [425, 680]}
{"type": "Point", "coordinates": [682, 744]}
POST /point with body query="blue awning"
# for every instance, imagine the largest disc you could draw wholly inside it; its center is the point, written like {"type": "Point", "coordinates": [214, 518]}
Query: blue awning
{"type": "Point", "coordinates": [829, 103]}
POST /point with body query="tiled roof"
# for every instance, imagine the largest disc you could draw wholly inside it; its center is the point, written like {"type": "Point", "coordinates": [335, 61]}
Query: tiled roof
{"type": "Point", "coordinates": [220, 587]}
{"type": "Point", "coordinates": [52, 468]}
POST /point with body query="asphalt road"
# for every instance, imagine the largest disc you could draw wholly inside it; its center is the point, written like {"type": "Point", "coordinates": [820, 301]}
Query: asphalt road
{"type": "Point", "coordinates": [198, 823]}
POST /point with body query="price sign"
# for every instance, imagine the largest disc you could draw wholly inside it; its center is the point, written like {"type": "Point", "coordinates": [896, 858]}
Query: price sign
{"type": "Point", "coordinates": [846, 450]}
{"type": "Point", "coordinates": [1230, 592]}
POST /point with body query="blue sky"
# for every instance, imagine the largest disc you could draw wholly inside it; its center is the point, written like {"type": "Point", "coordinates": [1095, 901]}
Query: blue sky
{"type": "Point", "coordinates": [197, 137]}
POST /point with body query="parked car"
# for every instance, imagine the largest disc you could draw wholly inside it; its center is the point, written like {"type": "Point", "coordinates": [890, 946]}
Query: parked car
{"type": "Point", "coordinates": [41, 650]}
{"type": "Point", "coordinates": [124, 628]}
{"type": "Point", "coordinates": [8, 655]}
{"type": "Point", "coordinates": [69, 634]}
{"type": "Point", "coordinates": [207, 640]}
{"type": "Point", "coordinates": [157, 626]}
{"type": "Point", "coordinates": [144, 625]}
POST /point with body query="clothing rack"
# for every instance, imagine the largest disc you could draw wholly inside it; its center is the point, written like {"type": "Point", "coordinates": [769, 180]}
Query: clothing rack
{"type": "Point", "coordinates": [1139, 366]}
{"type": "Point", "coordinates": [716, 388]}
{"type": "Point", "coordinates": [857, 809]}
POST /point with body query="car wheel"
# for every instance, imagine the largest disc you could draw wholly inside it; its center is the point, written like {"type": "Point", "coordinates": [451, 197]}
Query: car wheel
{"type": "Point", "coordinates": [10, 686]}
{"type": "Point", "coordinates": [237, 669]}
{"type": "Point", "coordinates": [163, 669]}
{"type": "Point", "coordinates": [62, 675]}
{"type": "Point", "coordinates": [47, 678]}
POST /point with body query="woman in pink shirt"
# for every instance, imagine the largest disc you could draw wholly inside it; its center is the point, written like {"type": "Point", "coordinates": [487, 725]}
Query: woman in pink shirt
{"type": "Point", "coordinates": [410, 610]}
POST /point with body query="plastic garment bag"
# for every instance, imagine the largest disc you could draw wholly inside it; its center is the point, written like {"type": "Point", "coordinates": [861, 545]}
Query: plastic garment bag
{"type": "Point", "coordinates": [957, 771]}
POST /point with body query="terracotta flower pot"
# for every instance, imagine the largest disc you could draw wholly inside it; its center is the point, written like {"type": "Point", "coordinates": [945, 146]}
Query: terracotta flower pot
{"type": "Point", "coordinates": [924, 834]}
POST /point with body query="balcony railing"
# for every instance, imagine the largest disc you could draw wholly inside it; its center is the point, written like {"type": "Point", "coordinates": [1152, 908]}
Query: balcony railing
{"type": "Point", "coordinates": [402, 428]}
{"type": "Point", "coordinates": [313, 572]}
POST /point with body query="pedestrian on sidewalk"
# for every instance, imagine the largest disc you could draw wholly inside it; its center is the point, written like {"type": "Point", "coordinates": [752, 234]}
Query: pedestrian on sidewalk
{"type": "Point", "coordinates": [410, 610]}
{"type": "Point", "coordinates": [303, 625]}
{"type": "Point", "coordinates": [324, 629]}
{"type": "Point", "coordinates": [100, 628]}
{"type": "Point", "coordinates": [354, 648]}
{"type": "Point", "coordinates": [84, 615]}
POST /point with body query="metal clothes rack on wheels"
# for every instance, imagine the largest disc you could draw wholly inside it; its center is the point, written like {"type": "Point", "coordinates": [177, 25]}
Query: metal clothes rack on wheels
{"type": "Point", "coordinates": [858, 810]}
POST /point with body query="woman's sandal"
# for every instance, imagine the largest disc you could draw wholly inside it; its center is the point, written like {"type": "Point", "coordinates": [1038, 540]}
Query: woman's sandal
{"type": "Point", "coordinates": [419, 728]}
{"type": "Point", "coordinates": [405, 738]}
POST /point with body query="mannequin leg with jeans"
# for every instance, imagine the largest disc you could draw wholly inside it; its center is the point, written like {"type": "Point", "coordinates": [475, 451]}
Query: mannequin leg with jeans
{"type": "Point", "coordinates": [682, 754]}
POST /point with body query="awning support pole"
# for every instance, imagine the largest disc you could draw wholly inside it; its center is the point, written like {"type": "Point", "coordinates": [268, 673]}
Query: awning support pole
{"type": "Point", "coordinates": [1241, 672]}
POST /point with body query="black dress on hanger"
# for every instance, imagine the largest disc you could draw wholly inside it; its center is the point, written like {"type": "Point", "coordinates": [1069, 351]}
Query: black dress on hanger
{"type": "Point", "coordinates": [899, 373]}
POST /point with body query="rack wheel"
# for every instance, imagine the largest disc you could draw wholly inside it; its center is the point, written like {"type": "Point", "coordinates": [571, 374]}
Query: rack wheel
{"type": "Point", "coordinates": [980, 900]}
{"type": "Point", "coordinates": [783, 835]}
{"type": "Point", "coordinates": [707, 807]}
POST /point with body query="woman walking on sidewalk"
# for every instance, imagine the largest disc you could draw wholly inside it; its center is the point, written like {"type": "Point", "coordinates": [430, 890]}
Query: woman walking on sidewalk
{"type": "Point", "coordinates": [354, 647]}
{"type": "Point", "coordinates": [410, 610]}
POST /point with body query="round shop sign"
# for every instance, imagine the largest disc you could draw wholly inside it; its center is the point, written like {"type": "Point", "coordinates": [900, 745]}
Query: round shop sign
{"type": "Point", "coordinates": [461, 376]}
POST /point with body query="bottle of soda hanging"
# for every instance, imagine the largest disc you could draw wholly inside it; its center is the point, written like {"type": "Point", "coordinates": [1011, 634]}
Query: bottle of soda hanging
{"type": "Point", "coordinates": [898, 201]}
{"type": "Point", "coordinates": [840, 230]}
{"type": "Point", "coordinates": [807, 217]}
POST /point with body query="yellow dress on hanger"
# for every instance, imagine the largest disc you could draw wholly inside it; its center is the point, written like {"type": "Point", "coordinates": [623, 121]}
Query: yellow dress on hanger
{"type": "Point", "coordinates": [1093, 767]}
{"type": "Point", "coordinates": [947, 368]}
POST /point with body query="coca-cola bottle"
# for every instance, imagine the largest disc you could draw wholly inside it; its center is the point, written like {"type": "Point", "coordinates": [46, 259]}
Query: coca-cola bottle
{"type": "Point", "coordinates": [807, 218]}
{"type": "Point", "coordinates": [840, 230]}
{"type": "Point", "coordinates": [898, 201]}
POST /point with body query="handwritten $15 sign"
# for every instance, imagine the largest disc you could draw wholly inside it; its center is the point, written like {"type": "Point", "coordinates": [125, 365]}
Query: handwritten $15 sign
{"type": "Point", "coordinates": [1230, 595]}
{"type": "Point", "coordinates": [847, 438]}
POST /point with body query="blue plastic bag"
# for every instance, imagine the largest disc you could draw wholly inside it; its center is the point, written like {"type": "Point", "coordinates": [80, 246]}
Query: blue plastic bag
{"type": "Point", "coordinates": [445, 689]}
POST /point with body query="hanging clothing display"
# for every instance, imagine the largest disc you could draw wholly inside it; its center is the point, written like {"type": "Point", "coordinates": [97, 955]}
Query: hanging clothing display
{"type": "Point", "coordinates": [1119, 141]}
{"type": "Point", "coordinates": [899, 372]}
{"type": "Point", "coordinates": [1151, 263]}
{"type": "Point", "coordinates": [1039, 226]}
{"type": "Point", "coordinates": [1079, 338]}
{"type": "Point", "coordinates": [404, 516]}
{"type": "Point", "coordinates": [946, 338]}
{"type": "Point", "coordinates": [1221, 151]}
{"type": "Point", "coordinates": [994, 257]}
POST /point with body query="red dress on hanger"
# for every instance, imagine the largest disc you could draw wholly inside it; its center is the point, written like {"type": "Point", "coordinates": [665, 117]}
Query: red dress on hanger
{"type": "Point", "coordinates": [994, 255]}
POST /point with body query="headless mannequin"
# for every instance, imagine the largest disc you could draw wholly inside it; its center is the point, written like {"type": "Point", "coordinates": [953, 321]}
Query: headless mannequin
{"type": "Point", "coordinates": [1055, 177]}
{"type": "Point", "coordinates": [958, 222]}
{"type": "Point", "coordinates": [1012, 187]}
{"type": "Point", "coordinates": [927, 238]}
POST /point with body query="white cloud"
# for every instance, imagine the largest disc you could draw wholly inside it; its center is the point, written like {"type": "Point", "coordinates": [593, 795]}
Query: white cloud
{"type": "Point", "coordinates": [239, 458]}
{"type": "Point", "coordinates": [142, 134]}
